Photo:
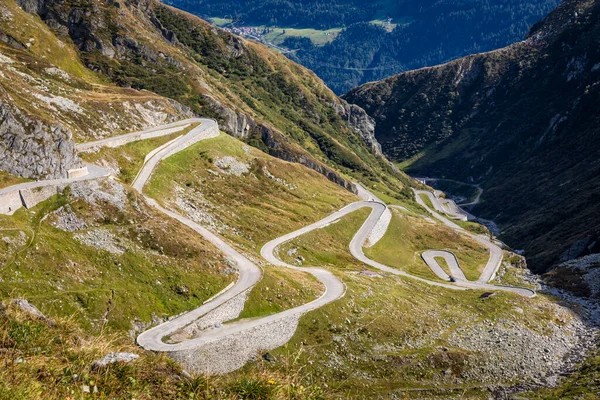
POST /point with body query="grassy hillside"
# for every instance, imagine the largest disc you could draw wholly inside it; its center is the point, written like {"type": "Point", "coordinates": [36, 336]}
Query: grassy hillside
{"type": "Point", "coordinates": [266, 197]}
{"type": "Point", "coordinates": [521, 121]}
{"type": "Point", "coordinates": [414, 235]}
{"type": "Point", "coordinates": [103, 265]}
{"type": "Point", "coordinates": [109, 61]}
{"type": "Point", "coordinates": [95, 252]}
{"type": "Point", "coordinates": [394, 336]}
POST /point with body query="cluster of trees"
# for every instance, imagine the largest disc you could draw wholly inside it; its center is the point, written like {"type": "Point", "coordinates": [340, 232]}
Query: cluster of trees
{"type": "Point", "coordinates": [435, 31]}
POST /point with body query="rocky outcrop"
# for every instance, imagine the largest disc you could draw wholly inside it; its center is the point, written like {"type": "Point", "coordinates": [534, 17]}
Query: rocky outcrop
{"type": "Point", "coordinates": [236, 124]}
{"type": "Point", "coordinates": [279, 146]}
{"type": "Point", "coordinates": [112, 358]}
{"type": "Point", "coordinates": [26, 307]}
{"type": "Point", "coordinates": [241, 126]}
{"type": "Point", "coordinates": [362, 123]}
{"type": "Point", "coordinates": [11, 41]}
{"type": "Point", "coordinates": [32, 149]}
{"type": "Point", "coordinates": [166, 33]}
{"type": "Point", "coordinates": [579, 248]}
{"type": "Point", "coordinates": [32, 6]}
{"type": "Point", "coordinates": [80, 22]}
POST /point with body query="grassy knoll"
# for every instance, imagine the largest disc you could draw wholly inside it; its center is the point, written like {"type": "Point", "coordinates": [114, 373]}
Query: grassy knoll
{"type": "Point", "coordinates": [129, 158]}
{"type": "Point", "coordinates": [267, 199]}
{"type": "Point", "coordinates": [281, 289]}
{"type": "Point", "coordinates": [7, 179]}
{"type": "Point", "coordinates": [408, 236]}
{"type": "Point", "coordinates": [137, 265]}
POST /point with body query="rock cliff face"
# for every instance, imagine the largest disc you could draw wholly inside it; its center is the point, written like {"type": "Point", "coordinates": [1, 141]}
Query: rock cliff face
{"type": "Point", "coordinates": [30, 149]}
{"type": "Point", "coordinates": [362, 123]}
{"type": "Point", "coordinates": [522, 121]}
{"type": "Point", "coordinates": [276, 144]}
{"type": "Point", "coordinates": [279, 146]}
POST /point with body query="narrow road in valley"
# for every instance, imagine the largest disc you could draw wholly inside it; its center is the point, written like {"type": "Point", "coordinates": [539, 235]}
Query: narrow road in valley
{"type": "Point", "coordinates": [489, 272]}
{"type": "Point", "coordinates": [491, 268]}
{"type": "Point", "coordinates": [467, 203]}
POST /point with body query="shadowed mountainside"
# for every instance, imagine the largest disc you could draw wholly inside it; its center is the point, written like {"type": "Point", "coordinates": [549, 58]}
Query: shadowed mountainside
{"type": "Point", "coordinates": [522, 121]}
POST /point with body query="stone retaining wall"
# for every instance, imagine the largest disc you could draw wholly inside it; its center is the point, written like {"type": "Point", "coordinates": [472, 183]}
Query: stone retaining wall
{"type": "Point", "coordinates": [232, 352]}
{"type": "Point", "coordinates": [10, 202]}
{"type": "Point", "coordinates": [33, 197]}
{"type": "Point", "coordinates": [134, 137]}
{"type": "Point", "coordinates": [226, 312]}
{"type": "Point", "coordinates": [77, 173]}
{"type": "Point", "coordinates": [379, 229]}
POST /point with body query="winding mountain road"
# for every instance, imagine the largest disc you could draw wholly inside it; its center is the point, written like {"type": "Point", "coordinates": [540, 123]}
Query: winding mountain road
{"type": "Point", "coordinates": [248, 272]}
{"type": "Point", "coordinates": [491, 268]}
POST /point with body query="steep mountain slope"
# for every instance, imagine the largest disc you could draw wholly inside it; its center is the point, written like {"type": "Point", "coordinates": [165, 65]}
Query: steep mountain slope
{"type": "Point", "coordinates": [48, 99]}
{"type": "Point", "coordinates": [521, 121]}
{"type": "Point", "coordinates": [256, 94]}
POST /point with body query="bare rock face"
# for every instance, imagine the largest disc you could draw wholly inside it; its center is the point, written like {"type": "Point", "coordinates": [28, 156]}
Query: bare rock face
{"type": "Point", "coordinates": [361, 122]}
{"type": "Point", "coordinates": [279, 146]}
{"type": "Point", "coordinates": [31, 6]}
{"type": "Point", "coordinates": [236, 124]}
{"type": "Point", "coordinates": [29, 308]}
{"type": "Point", "coordinates": [32, 149]}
